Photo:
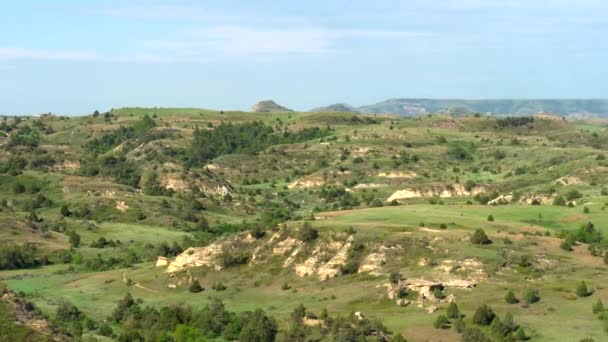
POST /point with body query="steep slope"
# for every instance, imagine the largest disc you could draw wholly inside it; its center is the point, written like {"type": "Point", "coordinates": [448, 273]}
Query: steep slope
{"type": "Point", "coordinates": [268, 106]}
{"type": "Point", "coordinates": [337, 107]}
{"type": "Point", "coordinates": [574, 108]}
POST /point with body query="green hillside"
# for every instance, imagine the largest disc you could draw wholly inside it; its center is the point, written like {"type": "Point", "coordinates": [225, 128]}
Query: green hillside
{"type": "Point", "coordinates": [167, 224]}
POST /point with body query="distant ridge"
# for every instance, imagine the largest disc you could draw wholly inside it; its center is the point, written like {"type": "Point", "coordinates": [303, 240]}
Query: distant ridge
{"type": "Point", "coordinates": [268, 106]}
{"type": "Point", "coordinates": [572, 108]}
{"type": "Point", "coordinates": [338, 107]}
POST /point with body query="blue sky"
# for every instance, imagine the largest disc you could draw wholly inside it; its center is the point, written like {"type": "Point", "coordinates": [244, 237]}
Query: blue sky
{"type": "Point", "coordinates": [75, 56]}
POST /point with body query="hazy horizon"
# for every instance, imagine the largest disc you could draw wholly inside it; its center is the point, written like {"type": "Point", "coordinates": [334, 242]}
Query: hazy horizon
{"type": "Point", "coordinates": [74, 57]}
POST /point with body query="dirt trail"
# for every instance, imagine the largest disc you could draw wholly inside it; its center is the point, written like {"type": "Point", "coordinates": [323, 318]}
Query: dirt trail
{"type": "Point", "coordinates": [145, 288]}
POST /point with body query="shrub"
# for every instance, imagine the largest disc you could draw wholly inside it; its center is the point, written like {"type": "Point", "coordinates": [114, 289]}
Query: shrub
{"type": "Point", "coordinates": [307, 233]}
{"type": "Point", "coordinates": [531, 295]}
{"type": "Point", "coordinates": [196, 287]}
{"type": "Point", "coordinates": [453, 311]}
{"type": "Point", "coordinates": [582, 290]}
{"type": "Point", "coordinates": [573, 195]}
{"type": "Point", "coordinates": [377, 203]}
{"type": "Point", "coordinates": [559, 200]}
{"type": "Point", "coordinates": [568, 243]}
{"type": "Point", "coordinates": [490, 218]}
{"type": "Point", "coordinates": [442, 322]}
{"type": "Point", "coordinates": [219, 286]}
{"type": "Point", "coordinates": [483, 315]}
{"type": "Point", "coordinates": [105, 330]}
{"type": "Point", "coordinates": [510, 297]}
{"type": "Point", "coordinates": [74, 239]}
{"type": "Point", "coordinates": [480, 237]}
{"type": "Point", "coordinates": [259, 328]}
{"type": "Point", "coordinates": [233, 259]}
{"type": "Point", "coordinates": [598, 307]}
{"type": "Point", "coordinates": [474, 334]}
{"type": "Point", "coordinates": [13, 256]}
{"type": "Point", "coordinates": [394, 277]}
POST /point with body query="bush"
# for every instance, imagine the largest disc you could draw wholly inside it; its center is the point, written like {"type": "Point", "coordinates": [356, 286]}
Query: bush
{"type": "Point", "coordinates": [442, 322]}
{"type": "Point", "coordinates": [531, 295]}
{"type": "Point", "coordinates": [307, 233]}
{"type": "Point", "coordinates": [394, 277]}
{"type": "Point", "coordinates": [105, 330]}
{"type": "Point", "coordinates": [559, 200]}
{"type": "Point", "coordinates": [582, 290]}
{"type": "Point", "coordinates": [259, 328]}
{"type": "Point", "coordinates": [15, 256]}
{"type": "Point", "coordinates": [480, 237]}
{"type": "Point", "coordinates": [74, 239]}
{"type": "Point", "coordinates": [573, 195]}
{"type": "Point", "coordinates": [453, 311]}
{"type": "Point", "coordinates": [474, 334]}
{"type": "Point", "coordinates": [196, 287]}
{"type": "Point", "coordinates": [219, 286]}
{"type": "Point", "coordinates": [233, 259]}
{"type": "Point", "coordinates": [483, 315]}
{"type": "Point", "coordinates": [598, 307]}
{"type": "Point", "coordinates": [490, 218]}
{"type": "Point", "coordinates": [510, 297]}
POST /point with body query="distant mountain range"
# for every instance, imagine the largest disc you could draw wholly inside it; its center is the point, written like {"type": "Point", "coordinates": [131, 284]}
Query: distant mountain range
{"type": "Point", "coordinates": [572, 108]}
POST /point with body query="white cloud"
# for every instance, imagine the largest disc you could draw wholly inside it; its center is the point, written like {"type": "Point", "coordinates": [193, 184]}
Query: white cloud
{"type": "Point", "coordinates": [239, 41]}
{"type": "Point", "coordinates": [20, 53]}
{"type": "Point", "coordinates": [12, 54]}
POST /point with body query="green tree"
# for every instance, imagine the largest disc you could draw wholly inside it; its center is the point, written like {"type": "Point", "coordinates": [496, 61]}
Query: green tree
{"type": "Point", "coordinates": [259, 328]}
{"type": "Point", "coordinates": [196, 287]}
{"type": "Point", "coordinates": [510, 297]}
{"type": "Point", "coordinates": [598, 307]}
{"type": "Point", "coordinates": [442, 322]}
{"type": "Point", "coordinates": [531, 295]}
{"type": "Point", "coordinates": [453, 311]}
{"type": "Point", "coordinates": [394, 277]}
{"type": "Point", "coordinates": [483, 315]}
{"type": "Point", "coordinates": [496, 327]}
{"type": "Point", "coordinates": [398, 338]}
{"type": "Point", "coordinates": [474, 334]}
{"type": "Point", "coordinates": [74, 239]}
{"type": "Point", "coordinates": [520, 335]}
{"type": "Point", "coordinates": [307, 233]}
{"type": "Point", "coordinates": [480, 237]}
{"type": "Point", "coordinates": [65, 211]}
{"type": "Point", "coordinates": [187, 333]}
{"type": "Point", "coordinates": [582, 290]}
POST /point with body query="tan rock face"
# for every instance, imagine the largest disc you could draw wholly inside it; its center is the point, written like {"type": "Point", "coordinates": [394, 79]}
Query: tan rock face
{"type": "Point", "coordinates": [306, 182]}
{"type": "Point", "coordinates": [403, 174]}
{"type": "Point", "coordinates": [206, 256]}
{"type": "Point", "coordinates": [536, 199]}
{"type": "Point", "coordinates": [161, 261]}
{"type": "Point", "coordinates": [456, 190]}
{"type": "Point", "coordinates": [332, 267]}
{"type": "Point", "coordinates": [196, 256]}
{"type": "Point", "coordinates": [373, 262]}
{"type": "Point", "coordinates": [121, 206]}
{"type": "Point", "coordinates": [67, 165]}
{"type": "Point", "coordinates": [501, 200]}
{"type": "Point", "coordinates": [313, 265]}
{"type": "Point", "coordinates": [285, 246]}
{"type": "Point", "coordinates": [568, 181]}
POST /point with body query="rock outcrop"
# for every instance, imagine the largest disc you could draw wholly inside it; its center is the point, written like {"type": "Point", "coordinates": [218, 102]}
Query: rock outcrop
{"type": "Point", "coordinates": [456, 190]}
{"type": "Point", "coordinates": [268, 106]}
{"type": "Point", "coordinates": [208, 255]}
{"type": "Point", "coordinates": [337, 251]}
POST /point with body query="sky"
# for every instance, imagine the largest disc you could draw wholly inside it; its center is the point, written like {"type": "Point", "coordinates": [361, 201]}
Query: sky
{"type": "Point", "coordinates": [77, 56]}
